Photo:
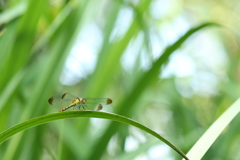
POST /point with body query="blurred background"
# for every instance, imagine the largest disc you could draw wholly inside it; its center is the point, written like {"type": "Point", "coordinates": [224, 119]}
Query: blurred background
{"type": "Point", "coordinates": [104, 48]}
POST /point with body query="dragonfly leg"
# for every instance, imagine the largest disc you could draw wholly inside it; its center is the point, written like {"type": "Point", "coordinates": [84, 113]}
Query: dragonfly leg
{"type": "Point", "coordinates": [84, 105]}
{"type": "Point", "coordinates": [78, 107]}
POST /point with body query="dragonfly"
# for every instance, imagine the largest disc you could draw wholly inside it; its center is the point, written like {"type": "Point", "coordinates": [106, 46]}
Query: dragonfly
{"type": "Point", "coordinates": [67, 101]}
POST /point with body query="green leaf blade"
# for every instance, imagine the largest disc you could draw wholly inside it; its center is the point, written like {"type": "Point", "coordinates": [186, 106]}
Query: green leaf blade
{"type": "Point", "coordinates": [210, 136]}
{"type": "Point", "coordinates": [74, 114]}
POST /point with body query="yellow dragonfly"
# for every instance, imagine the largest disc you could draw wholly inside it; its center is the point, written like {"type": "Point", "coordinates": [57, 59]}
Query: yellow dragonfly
{"type": "Point", "coordinates": [67, 101]}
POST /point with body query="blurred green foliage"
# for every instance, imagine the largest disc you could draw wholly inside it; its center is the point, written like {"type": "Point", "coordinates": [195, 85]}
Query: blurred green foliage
{"type": "Point", "coordinates": [137, 59]}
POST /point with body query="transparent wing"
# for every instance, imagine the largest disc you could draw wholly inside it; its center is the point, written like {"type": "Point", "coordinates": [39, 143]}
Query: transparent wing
{"type": "Point", "coordinates": [93, 103]}
{"type": "Point", "coordinates": [59, 103]}
{"type": "Point", "coordinates": [104, 101]}
{"type": "Point", "coordinates": [68, 96]}
{"type": "Point", "coordinates": [66, 99]}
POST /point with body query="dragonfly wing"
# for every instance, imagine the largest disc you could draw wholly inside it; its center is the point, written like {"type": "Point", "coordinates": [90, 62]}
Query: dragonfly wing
{"type": "Point", "coordinates": [58, 102]}
{"type": "Point", "coordinates": [68, 96]}
{"type": "Point", "coordinates": [104, 101]}
{"type": "Point", "coordinates": [67, 99]}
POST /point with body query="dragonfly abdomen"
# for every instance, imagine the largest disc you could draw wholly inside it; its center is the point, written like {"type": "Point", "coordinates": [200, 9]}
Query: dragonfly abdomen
{"type": "Point", "coordinates": [64, 109]}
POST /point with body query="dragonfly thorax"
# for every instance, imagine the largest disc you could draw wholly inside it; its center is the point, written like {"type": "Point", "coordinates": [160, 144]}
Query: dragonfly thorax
{"type": "Point", "coordinates": [75, 101]}
{"type": "Point", "coordinates": [79, 101]}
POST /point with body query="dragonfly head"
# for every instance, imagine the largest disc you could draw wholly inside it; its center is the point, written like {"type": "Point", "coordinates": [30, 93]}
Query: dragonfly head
{"type": "Point", "coordinates": [83, 100]}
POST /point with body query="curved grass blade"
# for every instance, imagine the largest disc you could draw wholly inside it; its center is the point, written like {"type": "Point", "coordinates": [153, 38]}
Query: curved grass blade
{"type": "Point", "coordinates": [74, 114]}
{"type": "Point", "coordinates": [209, 137]}
{"type": "Point", "coordinates": [148, 78]}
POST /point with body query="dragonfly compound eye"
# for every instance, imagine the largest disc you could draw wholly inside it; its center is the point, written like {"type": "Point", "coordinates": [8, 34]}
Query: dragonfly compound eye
{"type": "Point", "coordinates": [84, 100]}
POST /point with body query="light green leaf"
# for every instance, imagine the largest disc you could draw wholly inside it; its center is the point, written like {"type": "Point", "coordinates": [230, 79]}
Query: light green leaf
{"type": "Point", "coordinates": [210, 136]}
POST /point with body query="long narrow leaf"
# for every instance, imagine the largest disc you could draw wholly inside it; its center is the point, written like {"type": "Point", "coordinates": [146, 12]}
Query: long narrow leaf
{"type": "Point", "coordinates": [210, 136]}
{"type": "Point", "coordinates": [74, 114]}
